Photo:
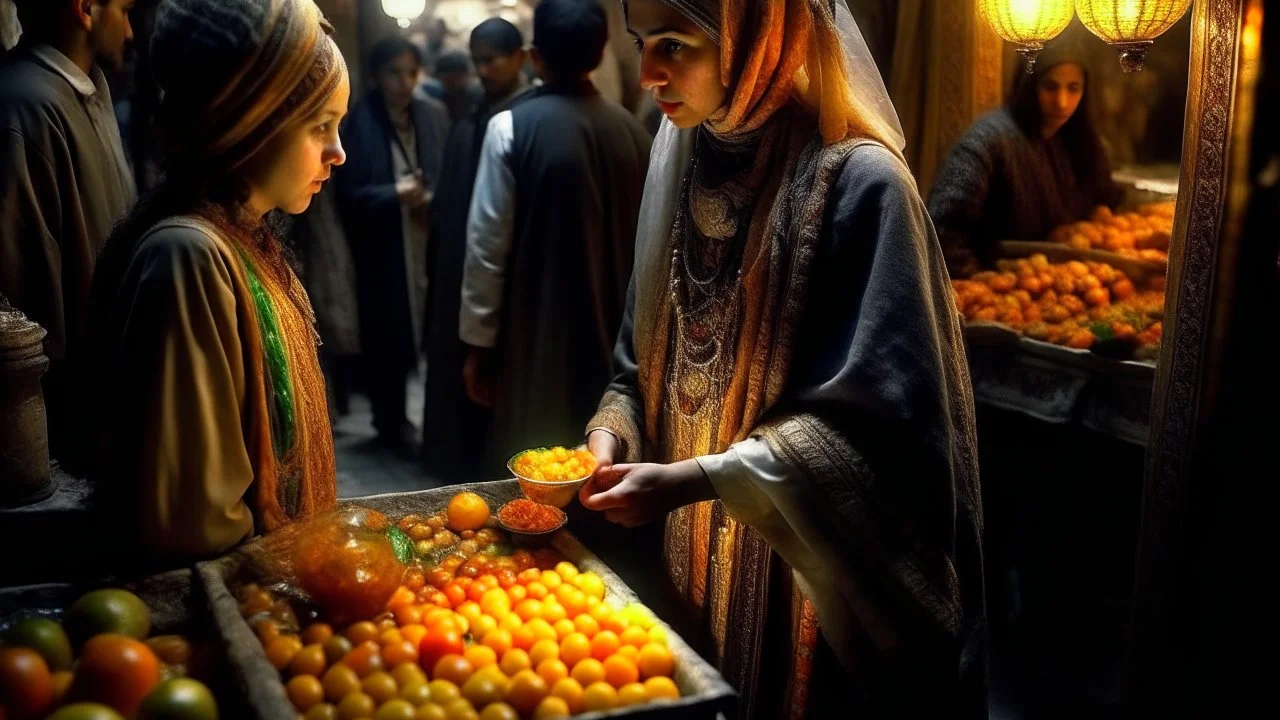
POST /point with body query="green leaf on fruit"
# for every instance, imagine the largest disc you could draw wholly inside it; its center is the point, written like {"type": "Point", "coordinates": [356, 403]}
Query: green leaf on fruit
{"type": "Point", "coordinates": [401, 544]}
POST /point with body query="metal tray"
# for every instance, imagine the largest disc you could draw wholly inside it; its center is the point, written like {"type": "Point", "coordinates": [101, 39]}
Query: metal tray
{"type": "Point", "coordinates": [704, 693]}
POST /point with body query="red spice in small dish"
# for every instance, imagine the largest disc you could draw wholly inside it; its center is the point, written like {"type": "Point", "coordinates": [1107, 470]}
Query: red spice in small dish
{"type": "Point", "coordinates": [523, 515]}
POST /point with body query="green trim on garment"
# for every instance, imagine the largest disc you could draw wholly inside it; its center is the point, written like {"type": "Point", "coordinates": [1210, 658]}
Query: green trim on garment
{"type": "Point", "coordinates": [283, 417]}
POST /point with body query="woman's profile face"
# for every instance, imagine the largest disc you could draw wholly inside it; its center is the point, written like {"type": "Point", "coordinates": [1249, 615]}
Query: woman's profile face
{"type": "Point", "coordinates": [293, 167]}
{"type": "Point", "coordinates": [1059, 91]}
{"type": "Point", "coordinates": [679, 63]}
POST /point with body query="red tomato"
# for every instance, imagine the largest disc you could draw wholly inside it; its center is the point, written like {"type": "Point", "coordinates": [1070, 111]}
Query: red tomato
{"type": "Point", "coordinates": [439, 641]}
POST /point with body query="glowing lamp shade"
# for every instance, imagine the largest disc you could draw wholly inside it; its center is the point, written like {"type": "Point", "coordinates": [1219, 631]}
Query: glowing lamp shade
{"type": "Point", "coordinates": [1130, 26]}
{"type": "Point", "coordinates": [1028, 24]}
{"type": "Point", "coordinates": [404, 11]}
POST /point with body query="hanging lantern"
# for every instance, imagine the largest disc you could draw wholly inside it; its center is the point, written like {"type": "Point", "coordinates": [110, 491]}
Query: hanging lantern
{"type": "Point", "coordinates": [404, 11]}
{"type": "Point", "coordinates": [1028, 24]}
{"type": "Point", "coordinates": [1130, 26]}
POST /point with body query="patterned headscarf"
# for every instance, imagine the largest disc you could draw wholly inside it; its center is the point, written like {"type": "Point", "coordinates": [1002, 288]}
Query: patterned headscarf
{"type": "Point", "coordinates": [771, 52]}
{"type": "Point", "coordinates": [236, 72]}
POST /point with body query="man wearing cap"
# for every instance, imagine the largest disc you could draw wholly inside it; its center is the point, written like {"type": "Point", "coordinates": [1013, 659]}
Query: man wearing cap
{"type": "Point", "coordinates": [64, 180]}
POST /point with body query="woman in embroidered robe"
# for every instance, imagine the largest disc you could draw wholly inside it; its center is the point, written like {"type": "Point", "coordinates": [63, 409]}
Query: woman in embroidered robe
{"type": "Point", "coordinates": [794, 399]}
{"type": "Point", "coordinates": [214, 425]}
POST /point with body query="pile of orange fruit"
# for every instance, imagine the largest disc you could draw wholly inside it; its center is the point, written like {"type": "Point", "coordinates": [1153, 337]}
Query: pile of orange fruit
{"type": "Point", "coordinates": [1143, 234]}
{"type": "Point", "coordinates": [1075, 303]}
{"type": "Point", "coordinates": [480, 636]}
{"type": "Point", "coordinates": [557, 464]}
{"type": "Point", "coordinates": [99, 664]}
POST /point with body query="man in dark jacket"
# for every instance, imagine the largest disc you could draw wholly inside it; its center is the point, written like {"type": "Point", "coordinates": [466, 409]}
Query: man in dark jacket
{"type": "Point", "coordinates": [454, 429]}
{"type": "Point", "coordinates": [550, 241]}
{"type": "Point", "coordinates": [394, 141]}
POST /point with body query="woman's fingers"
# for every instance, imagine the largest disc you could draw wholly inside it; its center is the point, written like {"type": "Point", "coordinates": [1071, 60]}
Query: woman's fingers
{"type": "Point", "coordinates": [606, 489]}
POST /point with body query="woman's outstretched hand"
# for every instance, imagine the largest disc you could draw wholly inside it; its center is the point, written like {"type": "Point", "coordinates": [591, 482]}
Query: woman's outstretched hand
{"type": "Point", "coordinates": [634, 494]}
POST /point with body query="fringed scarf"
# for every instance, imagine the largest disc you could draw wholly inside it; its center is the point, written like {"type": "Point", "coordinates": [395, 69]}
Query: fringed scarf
{"type": "Point", "coordinates": [286, 419]}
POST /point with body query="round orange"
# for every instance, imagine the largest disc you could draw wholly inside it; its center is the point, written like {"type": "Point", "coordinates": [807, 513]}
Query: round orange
{"type": "Point", "coordinates": [365, 658]}
{"type": "Point", "coordinates": [394, 709]}
{"type": "Point", "coordinates": [632, 694]}
{"type": "Point", "coordinates": [443, 691]}
{"type": "Point", "coordinates": [397, 653]}
{"type": "Point", "coordinates": [356, 706]}
{"type": "Point", "coordinates": [526, 690]}
{"type": "Point", "coordinates": [586, 625]}
{"type": "Point", "coordinates": [511, 622]}
{"type": "Point", "coordinates": [619, 671]}
{"type": "Point", "coordinates": [522, 637]}
{"type": "Point", "coordinates": [116, 670]}
{"type": "Point", "coordinates": [552, 670]}
{"type": "Point", "coordinates": [498, 711]}
{"type": "Point", "coordinates": [408, 673]}
{"type": "Point", "coordinates": [604, 644]}
{"type": "Point", "coordinates": [481, 689]}
{"type": "Point", "coordinates": [499, 639]}
{"type": "Point", "coordinates": [454, 668]}
{"type": "Point", "coordinates": [635, 636]}
{"type": "Point", "coordinates": [308, 661]}
{"type": "Point", "coordinates": [305, 691]}
{"type": "Point", "coordinates": [439, 641]}
{"type": "Point", "coordinates": [26, 686]}
{"type": "Point", "coordinates": [460, 709]}
{"type": "Point", "coordinates": [599, 696]}
{"type": "Point", "coordinates": [661, 688]}
{"type": "Point", "coordinates": [467, 511]}
{"type": "Point", "coordinates": [570, 691]}
{"type": "Point", "coordinates": [339, 681]}
{"type": "Point", "coordinates": [588, 671]}
{"type": "Point", "coordinates": [361, 632]}
{"type": "Point", "coordinates": [317, 633]}
{"type": "Point", "coordinates": [574, 648]}
{"type": "Point", "coordinates": [380, 686]}
{"type": "Point", "coordinates": [281, 650]}
{"type": "Point", "coordinates": [655, 660]}
{"type": "Point", "coordinates": [551, 708]}
{"type": "Point", "coordinates": [564, 628]}
{"type": "Point", "coordinates": [541, 630]}
{"type": "Point", "coordinates": [481, 656]}
{"type": "Point", "coordinates": [545, 649]}
{"type": "Point", "coordinates": [414, 634]}
{"type": "Point", "coordinates": [515, 660]}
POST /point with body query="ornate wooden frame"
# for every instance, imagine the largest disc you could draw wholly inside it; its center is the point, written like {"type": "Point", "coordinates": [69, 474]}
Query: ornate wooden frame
{"type": "Point", "coordinates": [1207, 229]}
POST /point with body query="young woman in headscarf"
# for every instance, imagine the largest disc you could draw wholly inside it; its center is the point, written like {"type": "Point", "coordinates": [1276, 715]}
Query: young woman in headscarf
{"type": "Point", "coordinates": [213, 423]}
{"type": "Point", "coordinates": [793, 396]}
{"type": "Point", "coordinates": [1026, 168]}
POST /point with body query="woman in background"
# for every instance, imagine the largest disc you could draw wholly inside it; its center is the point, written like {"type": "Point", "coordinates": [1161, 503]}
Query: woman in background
{"type": "Point", "coordinates": [1024, 169]}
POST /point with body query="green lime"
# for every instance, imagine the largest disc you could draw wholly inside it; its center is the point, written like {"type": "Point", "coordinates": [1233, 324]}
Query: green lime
{"type": "Point", "coordinates": [179, 699]}
{"type": "Point", "coordinates": [85, 711]}
{"type": "Point", "coordinates": [107, 611]}
{"type": "Point", "coordinates": [45, 637]}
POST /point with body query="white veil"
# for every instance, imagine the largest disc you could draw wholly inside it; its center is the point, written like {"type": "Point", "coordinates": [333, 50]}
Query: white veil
{"type": "Point", "coordinates": [673, 147]}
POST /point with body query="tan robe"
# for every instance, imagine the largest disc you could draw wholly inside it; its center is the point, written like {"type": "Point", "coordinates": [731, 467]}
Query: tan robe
{"type": "Point", "coordinates": [183, 443]}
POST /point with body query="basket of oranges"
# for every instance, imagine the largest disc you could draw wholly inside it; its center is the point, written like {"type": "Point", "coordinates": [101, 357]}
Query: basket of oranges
{"type": "Point", "coordinates": [476, 627]}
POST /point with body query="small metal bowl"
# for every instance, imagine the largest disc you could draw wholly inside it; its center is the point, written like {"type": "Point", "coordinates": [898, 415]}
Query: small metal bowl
{"type": "Point", "coordinates": [518, 532]}
{"type": "Point", "coordinates": [556, 494]}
